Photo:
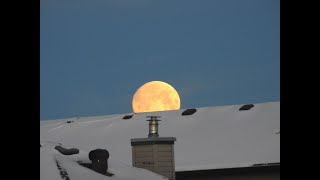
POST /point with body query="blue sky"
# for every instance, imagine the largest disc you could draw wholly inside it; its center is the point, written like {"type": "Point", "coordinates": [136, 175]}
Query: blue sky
{"type": "Point", "coordinates": [94, 54]}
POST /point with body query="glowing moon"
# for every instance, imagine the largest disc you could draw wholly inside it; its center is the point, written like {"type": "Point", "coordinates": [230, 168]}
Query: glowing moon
{"type": "Point", "coordinates": [155, 96]}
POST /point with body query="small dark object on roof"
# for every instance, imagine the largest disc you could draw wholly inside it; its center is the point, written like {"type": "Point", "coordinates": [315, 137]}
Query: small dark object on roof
{"type": "Point", "coordinates": [99, 158]}
{"type": "Point", "coordinates": [127, 116]}
{"type": "Point", "coordinates": [188, 112]}
{"type": "Point", "coordinates": [98, 154]}
{"type": "Point", "coordinates": [69, 121]}
{"type": "Point", "coordinates": [246, 107]}
{"type": "Point", "coordinates": [65, 151]}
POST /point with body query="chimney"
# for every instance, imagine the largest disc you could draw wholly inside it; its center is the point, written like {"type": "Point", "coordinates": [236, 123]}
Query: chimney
{"type": "Point", "coordinates": [154, 153]}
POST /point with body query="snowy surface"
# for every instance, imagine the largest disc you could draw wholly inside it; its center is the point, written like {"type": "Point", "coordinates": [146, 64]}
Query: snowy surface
{"type": "Point", "coordinates": [49, 170]}
{"type": "Point", "coordinates": [212, 138]}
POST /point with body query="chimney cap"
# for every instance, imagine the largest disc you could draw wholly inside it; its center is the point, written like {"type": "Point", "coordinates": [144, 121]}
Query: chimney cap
{"type": "Point", "coordinates": [153, 116]}
{"type": "Point", "coordinates": [151, 141]}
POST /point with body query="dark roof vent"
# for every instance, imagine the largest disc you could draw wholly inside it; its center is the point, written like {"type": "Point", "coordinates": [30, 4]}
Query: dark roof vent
{"type": "Point", "coordinates": [66, 151]}
{"type": "Point", "coordinates": [246, 107]}
{"type": "Point", "coordinates": [99, 161]}
{"type": "Point", "coordinates": [127, 116]}
{"type": "Point", "coordinates": [188, 112]}
{"type": "Point", "coordinates": [99, 154]}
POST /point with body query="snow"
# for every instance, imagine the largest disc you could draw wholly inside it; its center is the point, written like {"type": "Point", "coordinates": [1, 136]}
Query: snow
{"type": "Point", "coordinates": [49, 170]}
{"type": "Point", "coordinates": [212, 138]}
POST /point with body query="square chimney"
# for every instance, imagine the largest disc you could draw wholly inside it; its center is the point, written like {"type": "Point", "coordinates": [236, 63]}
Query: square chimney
{"type": "Point", "coordinates": [154, 153]}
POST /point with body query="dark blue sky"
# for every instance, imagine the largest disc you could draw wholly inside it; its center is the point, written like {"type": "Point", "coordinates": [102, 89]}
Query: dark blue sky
{"type": "Point", "coordinates": [94, 54]}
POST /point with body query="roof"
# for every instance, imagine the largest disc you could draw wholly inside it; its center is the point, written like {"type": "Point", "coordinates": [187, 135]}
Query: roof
{"type": "Point", "coordinates": [272, 171]}
{"type": "Point", "coordinates": [211, 138]}
{"type": "Point", "coordinates": [55, 166]}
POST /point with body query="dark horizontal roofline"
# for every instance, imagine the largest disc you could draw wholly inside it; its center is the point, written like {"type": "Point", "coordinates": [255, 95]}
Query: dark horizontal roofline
{"type": "Point", "coordinates": [256, 168]}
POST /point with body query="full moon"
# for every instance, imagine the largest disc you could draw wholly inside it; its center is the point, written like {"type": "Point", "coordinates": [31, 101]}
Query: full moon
{"type": "Point", "coordinates": [155, 96]}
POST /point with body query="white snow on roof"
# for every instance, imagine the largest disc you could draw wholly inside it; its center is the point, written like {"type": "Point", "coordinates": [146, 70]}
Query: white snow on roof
{"type": "Point", "coordinates": [50, 171]}
{"type": "Point", "coordinates": [212, 138]}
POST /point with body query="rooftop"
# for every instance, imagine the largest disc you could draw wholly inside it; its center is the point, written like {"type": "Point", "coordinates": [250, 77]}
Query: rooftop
{"type": "Point", "coordinates": [210, 138]}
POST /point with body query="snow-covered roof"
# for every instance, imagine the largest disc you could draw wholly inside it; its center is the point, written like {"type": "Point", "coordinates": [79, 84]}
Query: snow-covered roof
{"type": "Point", "coordinates": [211, 138]}
{"type": "Point", "coordinates": [55, 166]}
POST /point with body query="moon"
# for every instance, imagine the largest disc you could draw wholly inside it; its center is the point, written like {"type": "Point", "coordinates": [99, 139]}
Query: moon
{"type": "Point", "coordinates": [155, 96]}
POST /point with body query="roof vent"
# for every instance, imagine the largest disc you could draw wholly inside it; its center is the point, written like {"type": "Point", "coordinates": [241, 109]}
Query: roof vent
{"type": "Point", "coordinates": [99, 161]}
{"type": "Point", "coordinates": [246, 107]}
{"type": "Point", "coordinates": [127, 116]}
{"type": "Point", "coordinates": [188, 112]}
{"type": "Point", "coordinates": [66, 151]}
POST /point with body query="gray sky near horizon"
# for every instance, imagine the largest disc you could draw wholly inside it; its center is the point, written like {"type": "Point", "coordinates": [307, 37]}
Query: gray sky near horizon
{"type": "Point", "coordinates": [94, 54]}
